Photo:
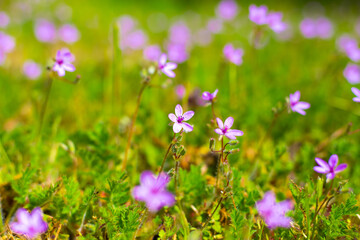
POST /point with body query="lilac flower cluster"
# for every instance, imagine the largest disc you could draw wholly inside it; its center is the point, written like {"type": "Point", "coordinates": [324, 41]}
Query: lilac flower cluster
{"type": "Point", "coordinates": [233, 55]}
{"type": "Point", "coordinates": [131, 38]}
{"type": "Point", "coordinates": [261, 16]}
{"type": "Point", "coordinates": [316, 28]}
{"type": "Point", "coordinates": [45, 31]}
{"type": "Point", "coordinates": [7, 45]}
{"type": "Point", "coordinates": [349, 46]}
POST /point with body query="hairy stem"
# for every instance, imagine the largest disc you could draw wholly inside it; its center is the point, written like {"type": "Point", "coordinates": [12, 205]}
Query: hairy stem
{"type": "Point", "coordinates": [167, 154]}
{"type": "Point", "coordinates": [212, 214]}
{"type": "Point", "coordinates": [46, 101]}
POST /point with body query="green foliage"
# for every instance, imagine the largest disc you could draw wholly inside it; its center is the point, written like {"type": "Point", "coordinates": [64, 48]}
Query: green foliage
{"type": "Point", "coordinates": [22, 185]}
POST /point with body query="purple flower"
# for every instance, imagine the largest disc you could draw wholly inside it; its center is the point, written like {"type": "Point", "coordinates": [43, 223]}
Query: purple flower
{"type": "Point", "coordinates": [4, 19]}
{"type": "Point", "coordinates": [331, 168]}
{"type": "Point", "coordinates": [29, 224]}
{"type": "Point", "coordinates": [180, 34]}
{"type": "Point", "coordinates": [224, 128]}
{"type": "Point", "coordinates": [45, 31]}
{"type": "Point", "coordinates": [233, 55]}
{"type": "Point", "coordinates": [353, 53]}
{"type": "Point", "coordinates": [227, 10]}
{"type": "Point", "coordinates": [7, 43]}
{"type": "Point", "coordinates": [152, 52]}
{"type": "Point", "coordinates": [215, 25]}
{"type": "Point", "coordinates": [296, 105]}
{"type": "Point", "coordinates": [258, 15]}
{"type": "Point", "coordinates": [207, 96]}
{"type": "Point", "coordinates": [346, 43]}
{"type": "Point", "coordinates": [356, 91]}
{"type": "Point", "coordinates": [32, 70]}
{"type": "Point", "coordinates": [274, 19]}
{"type": "Point", "coordinates": [179, 119]}
{"type": "Point", "coordinates": [126, 24]}
{"type": "Point", "coordinates": [274, 213]}
{"type": "Point", "coordinates": [177, 52]}
{"type": "Point", "coordinates": [63, 62]}
{"type": "Point", "coordinates": [69, 33]}
{"type": "Point", "coordinates": [152, 191]}
{"type": "Point", "coordinates": [352, 73]}
{"type": "Point", "coordinates": [180, 91]}
{"type": "Point", "coordinates": [167, 67]}
{"type": "Point", "coordinates": [321, 27]}
{"type": "Point", "coordinates": [134, 40]}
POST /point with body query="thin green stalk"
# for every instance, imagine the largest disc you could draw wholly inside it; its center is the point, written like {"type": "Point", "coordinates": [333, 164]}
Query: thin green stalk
{"type": "Point", "coordinates": [166, 154]}
{"type": "Point", "coordinates": [176, 175]}
{"type": "Point", "coordinates": [46, 101]}
{"type": "Point", "coordinates": [131, 130]}
{"type": "Point", "coordinates": [219, 162]}
{"type": "Point", "coordinates": [212, 214]}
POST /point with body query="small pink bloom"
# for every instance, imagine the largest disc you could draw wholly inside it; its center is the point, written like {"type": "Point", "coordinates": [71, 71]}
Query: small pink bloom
{"type": "Point", "coordinates": [45, 31]}
{"type": "Point", "coordinates": [331, 168]}
{"type": "Point", "coordinates": [180, 34]}
{"type": "Point", "coordinates": [166, 67]}
{"type": "Point", "coordinates": [224, 128]}
{"type": "Point", "coordinates": [346, 43]}
{"type": "Point", "coordinates": [4, 19]}
{"type": "Point", "coordinates": [273, 213]}
{"type": "Point", "coordinates": [63, 62]}
{"type": "Point", "coordinates": [308, 28]}
{"type": "Point", "coordinates": [296, 105]}
{"type": "Point", "coordinates": [275, 22]}
{"type": "Point", "coordinates": [209, 97]}
{"type": "Point", "coordinates": [152, 191]}
{"type": "Point", "coordinates": [227, 10]}
{"type": "Point", "coordinates": [258, 15]}
{"type": "Point", "coordinates": [180, 91]}
{"type": "Point", "coordinates": [321, 28]}
{"type": "Point", "coordinates": [356, 91]}
{"type": "Point", "coordinates": [69, 33]}
{"type": "Point", "coordinates": [352, 73]}
{"type": "Point", "coordinates": [233, 55]}
{"type": "Point", "coordinates": [179, 119]}
{"type": "Point", "coordinates": [177, 52]}
{"type": "Point", "coordinates": [28, 224]}
{"type": "Point", "coordinates": [152, 52]}
{"type": "Point", "coordinates": [7, 43]}
{"type": "Point", "coordinates": [32, 70]}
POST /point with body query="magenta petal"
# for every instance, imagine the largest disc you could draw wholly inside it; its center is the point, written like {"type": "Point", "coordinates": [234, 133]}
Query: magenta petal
{"type": "Point", "coordinates": [162, 59]}
{"type": "Point", "coordinates": [187, 127]}
{"type": "Point", "coordinates": [229, 122]}
{"type": "Point", "coordinates": [333, 161]}
{"type": "Point", "coordinates": [322, 164]}
{"type": "Point", "coordinates": [172, 117]}
{"type": "Point", "coordinates": [178, 110]}
{"type": "Point", "coordinates": [230, 136]}
{"type": "Point", "coordinates": [356, 91]}
{"type": "Point", "coordinates": [170, 66]}
{"type": "Point", "coordinates": [330, 175]}
{"type": "Point", "coordinates": [168, 73]}
{"type": "Point", "coordinates": [320, 170]}
{"type": "Point", "coordinates": [341, 167]}
{"type": "Point", "coordinates": [147, 178]}
{"type": "Point", "coordinates": [206, 96]}
{"type": "Point", "coordinates": [177, 127]}
{"type": "Point", "coordinates": [219, 131]}
{"type": "Point", "coordinates": [235, 132]}
{"type": "Point", "coordinates": [219, 123]}
{"type": "Point", "coordinates": [188, 115]}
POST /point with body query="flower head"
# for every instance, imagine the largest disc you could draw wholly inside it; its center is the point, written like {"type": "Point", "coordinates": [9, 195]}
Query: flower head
{"type": "Point", "coordinates": [177, 52]}
{"type": "Point", "coordinates": [179, 119]}
{"type": "Point", "coordinates": [274, 19]}
{"type": "Point", "coordinates": [32, 70]}
{"type": "Point", "coordinates": [63, 62]}
{"type": "Point", "coordinates": [224, 128]}
{"type": "Point", "coordinates": [233, 55]}
{"type": "Point", "coordinates": [331, 168]}
{"type": "Point", "coordinates": [227, 10]}
{"type": "Point", "coordinates": [29, 224]}
{"type": "Point", "coordinates": [296, 105]}
{"type": "Point", "coordinates": [207, 96]}
{"type": "Point", "coordinates": [274, 213]}
{"type": "Point", "coordinates": [321, 27]}
{"type": "Point", "coordinates": [352, 73]}
{"type": "Point", "coordinates": [152, 191]}
{"type": "Point", "coordinates": [180, 91]}
{"type": "Point", "coordinates": [356, 91]}
{"type": "Point", "coordinates": [69, 33]}
{"type": "Point", "coordinates": [258, 15]}
{"type": "Point", "coordinates": [166, 67]}
{"type": "Point", "coordinates": [45, 31]}
{"type": "Point", "coordinates": [152, 52]}
{"type": "Point", "coordinates": [7, 43]}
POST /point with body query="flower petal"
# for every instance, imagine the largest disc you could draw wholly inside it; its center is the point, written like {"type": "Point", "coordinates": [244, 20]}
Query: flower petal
{"type": "Point", "coordinates": [188, 115]}
{"type": "Point", "coordinates": [356, 91]}
{"type": "Point", "coordinates": [320, 170]}
{"type": "Point", "coordinates": [230, 136]}
{"type": "Point", "coordinates": [219, 131]}
{"type": "Point", "coordinates": [187, 127]}
{"type": "Point", "coordinates": [220, 123]}
{"type": "Point", "coordinates": [172, 117]}
{"type": "Point", "coordinates": [168, 73]}
{"type": "Point", "coordinates": [178, 110]}
{"type": "Point", "coordinates": [170, 66]}
{"type": "Point", "coordinates": [235, 132]}
{"type": "Point", "coordinates": [147, 178]}
{"type": "Point", "coordinates": [206, 96]}
{"type": "Point", "coordinates": [215, 93]}
{"type": "Point", "coordinates": [333, 161]}
{"type": "Point", "coordinates": [229, 122]}
{"type": "Point", "coordinates": [322, 164]}
{"type": "Point", "coordinates": [341, 167]}
{"type": "Point", "coordinates": [177, 127]}
{"type": "Point", "coordinates": [330, 175]}
{"type": "Point", "coordinates": [162, 59]}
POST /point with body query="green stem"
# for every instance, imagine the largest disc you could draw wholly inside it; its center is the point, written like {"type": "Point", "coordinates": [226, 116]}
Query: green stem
{"type": "Point", "coordinates": [166, 154]}
{"type": "Point", "coordinates": [44, 106]}
{"type": "Point", "coordinates": [131, 130]}
{"type": "Point", "coordinates": [212, 214]}
{"type": "Point", "coordinates": [219, 162]}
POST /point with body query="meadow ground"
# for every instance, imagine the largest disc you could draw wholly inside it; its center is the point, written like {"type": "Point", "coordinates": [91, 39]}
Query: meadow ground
{"type": "Point", "coordinates": [234, 103]}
